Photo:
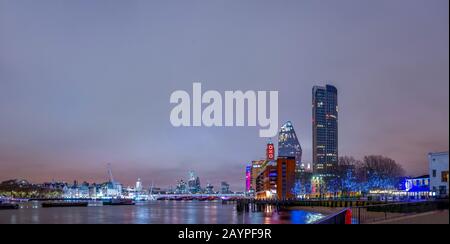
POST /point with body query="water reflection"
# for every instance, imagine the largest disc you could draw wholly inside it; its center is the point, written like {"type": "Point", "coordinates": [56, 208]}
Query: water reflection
{"type": "Point", "coordinates": [157, 212]}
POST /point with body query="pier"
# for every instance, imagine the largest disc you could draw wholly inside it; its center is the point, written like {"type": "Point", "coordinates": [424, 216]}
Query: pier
{"type": "Point", "coordinates": [257, 205]}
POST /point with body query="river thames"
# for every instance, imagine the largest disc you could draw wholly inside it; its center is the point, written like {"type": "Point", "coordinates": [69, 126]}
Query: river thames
{"type": "Point", "coordinates": [153, 212]}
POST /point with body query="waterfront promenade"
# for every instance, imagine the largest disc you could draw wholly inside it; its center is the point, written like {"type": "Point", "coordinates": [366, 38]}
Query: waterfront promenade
{"type": "Point", "coordinates": [361, 212]}
{"type": "Point", "coordinates": [435, 217]}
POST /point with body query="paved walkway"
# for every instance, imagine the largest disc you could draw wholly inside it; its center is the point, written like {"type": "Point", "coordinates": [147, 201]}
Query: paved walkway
{"type": "Point", "coordinates": [435, 217]}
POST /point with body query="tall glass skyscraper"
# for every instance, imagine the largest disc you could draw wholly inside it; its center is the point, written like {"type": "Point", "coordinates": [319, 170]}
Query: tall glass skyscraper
{"type": "Point", "coordinates": [325, 128]}
{"type": "Point", "coordinates": [289, 145]}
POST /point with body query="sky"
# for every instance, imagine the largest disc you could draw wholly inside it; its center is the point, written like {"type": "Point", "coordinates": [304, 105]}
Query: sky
{"type": "Point", "coordinates": [86, 83]}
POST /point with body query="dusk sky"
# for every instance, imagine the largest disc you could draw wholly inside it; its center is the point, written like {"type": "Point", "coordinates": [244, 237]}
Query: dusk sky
{"type": "Point", "coordinates": [86, 83]}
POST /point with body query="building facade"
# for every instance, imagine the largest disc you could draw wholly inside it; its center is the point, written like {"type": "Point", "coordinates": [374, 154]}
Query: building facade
{"type": "Point", "coordinates": [325, 128]}
{"type": "Point", "coordinates": [224, 188]}
{"type": "Point", "coordinates": [286, 177]}
{"type": "Point", "coordinates": [266, 181]}
{"type": "Point", "coordinates": [438, 169]}
{"type": "Point", "coordinates": [276, 179]}
{"type": "Point", "coordinates": [194, 185]}
{"type": "Point", "coordinates": [248, 178]}
{"type": "Point", "coordinates": [416, 188]}
{"type": "Point", "coordinates": [255, 171]}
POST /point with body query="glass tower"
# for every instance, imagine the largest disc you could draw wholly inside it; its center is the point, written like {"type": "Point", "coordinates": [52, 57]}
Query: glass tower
{"type": "Point", "coordinates": [289, 145]}
{"type": "Point", "coordinates": [325, 128]}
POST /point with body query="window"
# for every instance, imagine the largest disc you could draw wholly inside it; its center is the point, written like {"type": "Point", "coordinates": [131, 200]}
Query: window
{"type": "Point", "coordinates": [444, 176]}
{"type": "Point", "coordinates": [434, 173]}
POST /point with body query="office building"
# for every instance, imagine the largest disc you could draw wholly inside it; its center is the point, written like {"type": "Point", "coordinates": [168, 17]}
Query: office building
{"type": "Point", "coordinates": [224, 188]}
{"type": "Point", "coordinates": [325, 129]}
{"type": "Point", "coordinates": [289, 146]}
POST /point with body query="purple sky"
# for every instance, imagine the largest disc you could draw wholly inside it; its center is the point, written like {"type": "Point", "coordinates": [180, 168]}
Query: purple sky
{"type": "Point", "coordinates": [86, 83]}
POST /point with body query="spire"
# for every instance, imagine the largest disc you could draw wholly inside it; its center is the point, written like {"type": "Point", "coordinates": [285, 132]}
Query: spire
{"type": "Point", "coordinates": [110, 175]}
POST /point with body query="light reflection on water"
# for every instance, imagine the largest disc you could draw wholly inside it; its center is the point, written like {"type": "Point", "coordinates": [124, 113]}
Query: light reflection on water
{"type": "Point", "coordinates": [157, 212]}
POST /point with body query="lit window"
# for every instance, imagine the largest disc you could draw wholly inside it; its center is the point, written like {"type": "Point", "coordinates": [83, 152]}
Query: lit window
{"type": "Point", "coordinates": [444, 177]}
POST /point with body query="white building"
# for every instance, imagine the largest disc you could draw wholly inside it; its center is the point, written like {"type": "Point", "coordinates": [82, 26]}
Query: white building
{"type": "Point", "coordinates": [138, 187]}
{"type": "Point", "coordinates": [438, 166]}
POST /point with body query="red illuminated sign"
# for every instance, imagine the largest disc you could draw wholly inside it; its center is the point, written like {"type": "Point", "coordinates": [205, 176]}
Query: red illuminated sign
{"type": "Point", "coordinates": [270, 152]}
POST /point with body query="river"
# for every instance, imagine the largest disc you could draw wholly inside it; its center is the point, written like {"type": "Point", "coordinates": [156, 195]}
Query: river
{"type": "Point", "coordinates": [153, 212]}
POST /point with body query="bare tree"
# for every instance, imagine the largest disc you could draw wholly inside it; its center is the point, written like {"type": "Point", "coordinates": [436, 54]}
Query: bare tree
{"type": "Point", "coordinates": [380, 172]}
{"type": "Point", "coordinates": [382, 166]}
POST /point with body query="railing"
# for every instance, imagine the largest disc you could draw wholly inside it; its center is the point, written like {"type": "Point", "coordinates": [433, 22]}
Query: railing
{"type": "Point", "coordinates": [380, 212]}
{"type": "Point", "coordinates": [342, 217]}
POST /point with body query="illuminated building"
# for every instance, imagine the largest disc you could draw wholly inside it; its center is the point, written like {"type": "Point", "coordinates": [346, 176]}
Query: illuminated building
{"type": "Point", "coordinates": [416, 188]}
{"type": "Point", "coordinates": [289, 146]}
{"type": "Point", "coordinates": [256, 168]}
{"type": "Point", "coordinates": [276, 179]}
{"type": "Point", "coordinates": [111, 188]}
{"type": "Point", "coordinates": [325, 128]}
{"type": "Point", "coordinates": [138, 186]}
{"type": "Point", "coordinates": [193, 183]}
{"type": "Point", "coordinates": [266, 181]}
{"type": "Point", "coordinates": [224, 188]}
{"type": "Point", "coordinates": [285, 177]}
{"type": "Point", "coordinates": [248, 178]}
{"type": "Point", "coordinates": [181, 187]}
{"type": "Point", "coordinates": [209, 189]}
{"type": "Point", "coordinates": [93, 191]}
{"type": "Point", "coordinates": [438, 168]}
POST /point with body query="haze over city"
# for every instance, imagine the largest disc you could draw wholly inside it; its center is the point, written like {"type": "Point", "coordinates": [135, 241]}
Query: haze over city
{"type": "Point", "coordinates": [85, 83]}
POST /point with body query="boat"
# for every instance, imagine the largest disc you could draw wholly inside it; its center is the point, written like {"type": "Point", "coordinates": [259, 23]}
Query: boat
{"type": "Point", "coordinates": [119, 202]}
{"type": "Point", "coordinates": [188, 198]}
{"type": "Point", "coordinates": [64, 204]}
{"type": "Point", "coordinates": [179, 198]}
{"type": "Point", "coordinates": [6, 206]}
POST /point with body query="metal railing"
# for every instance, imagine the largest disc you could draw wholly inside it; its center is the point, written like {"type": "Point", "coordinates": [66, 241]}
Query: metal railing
{"type": "Point", "coordinates": [380, 212]}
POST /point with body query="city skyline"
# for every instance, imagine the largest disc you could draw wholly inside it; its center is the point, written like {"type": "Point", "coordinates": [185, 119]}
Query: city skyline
{"type": "Point", "coordinates": [83, 85]}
